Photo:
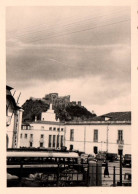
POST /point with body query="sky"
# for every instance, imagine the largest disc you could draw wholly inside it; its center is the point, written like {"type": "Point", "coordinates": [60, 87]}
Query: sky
{"type": "Point", "coordinates": [81, 51]}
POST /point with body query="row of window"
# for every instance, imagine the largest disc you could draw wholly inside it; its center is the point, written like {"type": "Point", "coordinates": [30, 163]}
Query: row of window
{"type": "Point", "coordinates": [27, 127]}
{"type": "Point", "coordinates": [42, 127]}
{"type": "Point", "coordinates": [54, 141]}
{"type": "Point", "coordinates": [95, 136]}
{"type": "Point", "coordinates": [55, 129]}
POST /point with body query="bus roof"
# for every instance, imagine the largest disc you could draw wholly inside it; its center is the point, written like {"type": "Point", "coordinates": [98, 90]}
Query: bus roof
{"type": "Point", "coordinates": [42, 154]}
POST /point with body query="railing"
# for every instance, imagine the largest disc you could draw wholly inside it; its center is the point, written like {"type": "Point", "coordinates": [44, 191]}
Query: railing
{"type": "Point", "coordinates": [92, 174]}
{"type": "Point", "coordinates": [48, 175]}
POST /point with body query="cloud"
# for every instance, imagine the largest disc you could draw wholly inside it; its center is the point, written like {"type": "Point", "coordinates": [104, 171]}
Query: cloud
{"type": "Point", "coordinates": [88, 60]}
{"type": "Point", "coordinates": [94, 93]}
{"type": "Point", "coordinates": [56, 63]}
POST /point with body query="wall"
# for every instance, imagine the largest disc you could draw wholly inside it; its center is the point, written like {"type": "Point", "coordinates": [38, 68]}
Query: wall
{"type": "Point", "coordinates": [37, 129]}
{"type": "Point", "coordinates": [13, 124]}
{"type": "Point", "coordinates": [11, 117]}
{"type": "Point", "coordinates": [84, 137]}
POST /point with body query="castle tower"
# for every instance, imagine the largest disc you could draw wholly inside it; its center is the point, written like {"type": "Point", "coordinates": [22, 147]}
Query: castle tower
{"type": "Point", "coordinates": [49, 115]}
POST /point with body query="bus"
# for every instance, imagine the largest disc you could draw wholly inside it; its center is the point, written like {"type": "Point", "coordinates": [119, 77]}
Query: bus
{"type": "Point", "coordinates": [52, 165]}
{"type": "Point", "coordinates": [17, 156]}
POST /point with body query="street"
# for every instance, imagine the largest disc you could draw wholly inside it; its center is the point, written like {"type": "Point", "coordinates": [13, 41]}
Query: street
{"type": "Point", "coordinates": [109, 181]}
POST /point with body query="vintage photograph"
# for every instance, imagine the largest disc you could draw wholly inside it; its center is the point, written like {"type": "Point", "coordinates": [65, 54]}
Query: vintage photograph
{"type": "Point", "coordinates": [68, 96]}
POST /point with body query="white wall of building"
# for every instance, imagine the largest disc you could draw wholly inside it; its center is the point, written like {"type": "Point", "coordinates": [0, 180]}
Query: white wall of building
{"type": "Point", "coordinates": [49, 115]}
{"type": "Point", "coordinates": [84, 137]}
{"type": "Point", "coordinates": [10, 123]}
{"type": "Point", "coordinates": [13, 123]}
{"type": "Point", "coordinates": [38, 129]}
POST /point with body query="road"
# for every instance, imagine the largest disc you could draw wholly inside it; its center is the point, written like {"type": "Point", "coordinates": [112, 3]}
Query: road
{"type": "Point", "coordinates": [109, 181]}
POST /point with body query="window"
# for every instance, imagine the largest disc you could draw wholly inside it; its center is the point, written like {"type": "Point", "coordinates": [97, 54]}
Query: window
{"type": "Point", "coordinates": [41, 144]}
{"type": "Point", "coordinates": [120, 135]}
{"type": "Point", "coordinates": [21, 135]}
{"type": "Point", "coordinates": [58, 129]}
{"type": "Point", "coordinates": [31, 144]}
{"type": "Point", "coordinates": [57, 141]}
{"type": "Point", "coordinates": [61, 129]}
{"type": "Point", "coordinates": [27, 127]}
{"type": "Point", "coordinates": [50, 128]}
{"type": "Point", "coordinates": [25, 136]}
{"type": "Point", "coordinates": [31, 135]}
{"type": "Point", "coordinates": [50, 141]}
{"type": "Point", "coordinates": [72, 135]}
{"type": "Point", "coordinates": [54, 129]}
{"type": "Point", "coordinates": [95, 149]}
{"type": "Point", "coordinates": [54, 140]}
{"type": "Point", "coordinates": [61, 140]}
{"type": "Point", "coordinates": [23, 127]}
{"type": "Point", "coordinates": [95, 139]}
{"type": "Point", "coordinates": [42, 135]}
{"type": "Point", "coordinates": [71, 147]}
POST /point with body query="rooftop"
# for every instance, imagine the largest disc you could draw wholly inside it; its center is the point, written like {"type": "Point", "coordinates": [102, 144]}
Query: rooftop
{"type": "Point", "coordinates": [8, 87]}
{"type": "Point", "coordinates": [45, 122]}
{"type": "Point", "coordinates": [114, 116]}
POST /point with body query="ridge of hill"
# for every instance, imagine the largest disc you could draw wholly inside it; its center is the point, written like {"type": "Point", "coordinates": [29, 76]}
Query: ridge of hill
{"type": "Point", "coordinates": [34, 107]}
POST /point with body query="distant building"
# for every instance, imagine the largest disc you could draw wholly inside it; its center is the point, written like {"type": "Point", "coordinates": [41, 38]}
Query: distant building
{"type": "Point", "coordinates": [56, 100]}
{"type": "Point", "coordinates": [45, 133]}
{"type": "Point", "coordinates": [104, 133]}
{"type": "Point", "coordinates": [13, 120]}
{"type": "Point", "coordinates": [62, 101]}
{"type": "Point", "coordinates": [49, 115]}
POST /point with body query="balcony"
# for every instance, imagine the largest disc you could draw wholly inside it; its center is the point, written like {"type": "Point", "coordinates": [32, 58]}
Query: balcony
{"type": "Point", "coordinates": [8, 120]}
{"type": "Point", "coordinates": [120, 141]}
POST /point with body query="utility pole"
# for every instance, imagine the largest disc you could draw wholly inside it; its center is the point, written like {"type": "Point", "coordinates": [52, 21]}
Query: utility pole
{"type": "Point", "coordinates": [107, 139]}
{"type": "Point", "coordinates": [84, 137]}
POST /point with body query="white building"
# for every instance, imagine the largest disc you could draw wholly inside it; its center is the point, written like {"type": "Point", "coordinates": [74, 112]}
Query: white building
{"type": "Point", "coordinates": [104, 133]}
{"type": "Point", "coordinates": [13, 120]}
{"type": "Point", "coordinates": [49, 115]}
{"type": "Point", "coordinates": [44, 133]}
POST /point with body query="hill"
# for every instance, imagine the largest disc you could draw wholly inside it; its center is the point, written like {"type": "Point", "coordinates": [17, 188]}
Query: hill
{"type": "Point", "coordinates": [34, 107]}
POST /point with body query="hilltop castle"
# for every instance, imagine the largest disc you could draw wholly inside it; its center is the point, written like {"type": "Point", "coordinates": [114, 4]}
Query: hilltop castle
{"type": "Point", "coordinates": [63, 101]}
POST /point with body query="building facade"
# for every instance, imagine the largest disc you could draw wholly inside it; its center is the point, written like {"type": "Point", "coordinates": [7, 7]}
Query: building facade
{"type": "Point", "coordinates": [45, 133]}
{"type": "Point", "coordinates": [103, 134]}
{"type": "Point", "coordinates": [13, 120]}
